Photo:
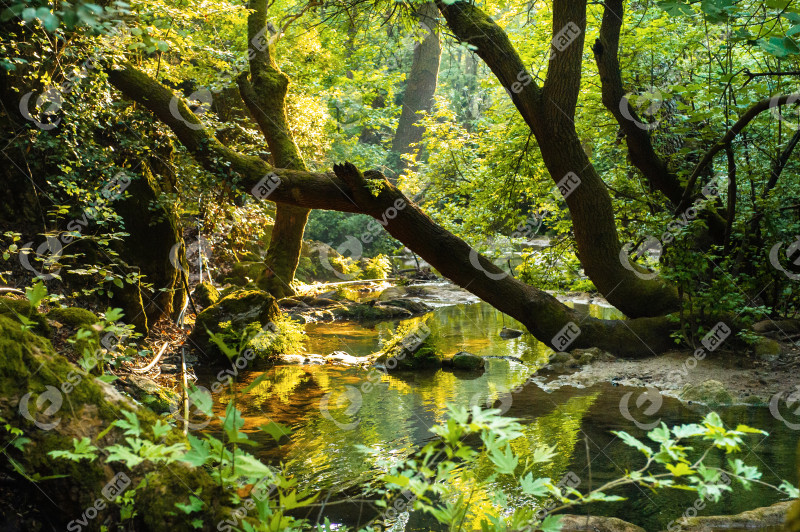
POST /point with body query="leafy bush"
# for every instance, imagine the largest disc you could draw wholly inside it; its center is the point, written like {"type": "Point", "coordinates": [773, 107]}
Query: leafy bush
{"type": "Point", "coordinates": [377, 267]}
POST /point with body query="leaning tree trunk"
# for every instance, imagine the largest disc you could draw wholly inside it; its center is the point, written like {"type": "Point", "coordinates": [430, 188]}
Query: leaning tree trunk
{"type": "Point", "coordinates": [550, 113]}
{"type": "Point", "coordinates": [420, 87]}
{"type": "Point", "coordinates": [264, 94]}
{"type": "Point", "coordinates": [347, 190]}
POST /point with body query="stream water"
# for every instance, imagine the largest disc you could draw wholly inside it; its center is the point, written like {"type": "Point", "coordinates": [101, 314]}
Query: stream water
{"type": "Point", "coordinates": [394, 416]}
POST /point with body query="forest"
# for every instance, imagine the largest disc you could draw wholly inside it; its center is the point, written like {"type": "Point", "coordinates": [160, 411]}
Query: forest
{"type": "Point", "coordinates": [403, 265]}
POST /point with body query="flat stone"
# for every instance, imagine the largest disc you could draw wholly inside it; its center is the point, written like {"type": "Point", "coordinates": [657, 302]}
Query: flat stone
{"type": "Point", "coordinates": [170, 368]}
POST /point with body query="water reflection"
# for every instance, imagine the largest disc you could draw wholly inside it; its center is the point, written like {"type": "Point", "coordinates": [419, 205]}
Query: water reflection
{"type": "Point", "coordinates": [333, 411]}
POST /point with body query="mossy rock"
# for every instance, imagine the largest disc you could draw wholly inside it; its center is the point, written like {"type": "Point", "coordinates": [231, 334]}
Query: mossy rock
{"type": "Point", "coordinates": [374, 312]}
{"type": "Point", "coordinates": [465, 361]}
{"type": "Point", "coordinates": [793, 518]}
{"type": "Point", "coordinates": [768, 516]}
{"type": "Point", "coordinates": [245, 273]}
{"type": "Point", "coordinates": [411, 355]}
{"type": "Point", "coordinates": [13, 308]}
{"type": "Point", "coordinates": [393, 292]}
{"type": "Point", "coordinates": [77, 318]}
{"type": "Point", "coordinates": [205, 294]}
{"type": "Point", "coordinates": [77, 405]}
{"type": "Point", "coordinates": [159, 399]}
{"type": "Point", "coordinates": [240, 309]}
{"type": "Point", "coordinates": [415, 307]}
{"type": "Point", "coordinates": [767, 349]}
{"type": "Point", "coordinates": [74, 317]}
{"type": "Point", "coordinates": [709, 392]}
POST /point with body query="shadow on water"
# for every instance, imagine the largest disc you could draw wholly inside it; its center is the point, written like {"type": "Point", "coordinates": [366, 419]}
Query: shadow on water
{"type": "Point", "coordinates": [333, 411]}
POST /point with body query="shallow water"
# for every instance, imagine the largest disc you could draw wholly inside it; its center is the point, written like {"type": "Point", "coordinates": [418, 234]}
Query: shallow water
{"type": "Point", "coordinates": [334, 410]}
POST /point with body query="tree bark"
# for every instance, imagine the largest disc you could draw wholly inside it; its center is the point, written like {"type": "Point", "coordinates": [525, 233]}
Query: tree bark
{"type": "Point", "coordinates": [347, 190]}
{"type": "Point", "coordinates": [420, 87]}
{"type": "Point", "coordinates": [264, 94]}
{"type": "Point", "coordinates": [638, 139]}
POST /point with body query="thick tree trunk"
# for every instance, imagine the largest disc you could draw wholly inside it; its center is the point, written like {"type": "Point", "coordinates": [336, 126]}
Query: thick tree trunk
{"type": "Point", "coordinates": [265, 96]}
{"type": "Point", "coordinates": [420, 87]}
{"type": "Point", "coordinates": [549, 112]}
{"type": "Point", "coordinates": [346, 190]}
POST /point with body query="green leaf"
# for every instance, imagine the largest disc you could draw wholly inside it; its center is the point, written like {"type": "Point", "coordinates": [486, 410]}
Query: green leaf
{"type": "Point", "coordinates": [551, 523]}
{"type": "Point", "coordinates": [536, 487]}
{"type": "Point", "coordinates": [679, 470]}
{"type": "Point", "coordinates": [675, 8]}
{"type": "Point", "coordinates": [276, 430]}
{"type": "Point", "coordinates": [35, 294]}
{"type": "Point", "coordinates": [194, 505]}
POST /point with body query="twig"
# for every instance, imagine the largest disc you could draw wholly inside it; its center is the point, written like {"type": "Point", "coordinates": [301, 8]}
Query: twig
{"type": "Point", "coordinates": [154, 362]}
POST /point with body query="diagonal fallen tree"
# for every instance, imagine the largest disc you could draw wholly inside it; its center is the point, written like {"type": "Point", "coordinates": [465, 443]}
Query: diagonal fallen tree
{"type": "Point", "coordinates": [349, 190]}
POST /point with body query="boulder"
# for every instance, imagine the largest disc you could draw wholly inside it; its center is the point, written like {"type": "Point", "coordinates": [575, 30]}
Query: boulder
{"type": "Point", "coordinates": [710, 392]}
{"type": "Point", "coordinates": [410, 349]}
{"type": "Point", "coordinates": [74, 317]}
{"type": "Point", "coordinates": [591, 354]}
{"type": "Point", "coordinates": [791, 326]}
{"type": "Point", "coordinates": [767, 349]}
{"type": "Point", "coordinates": [393, 292]}
{"type": "Point", "coordinates": [300, 360]}
{"type": "Point", "coordinates": [464, 361]}
{"type": "Point", "coordinates": [205, 294]}
{"type": "Point", "coordinates": [77, 318]}
{"type": "Point", "coordinates": [570, 523]}
{"type": "Point", "coordinates": [507, 333]}
{"type": "Point", "coordinates": [760, 518]}
{"type": "Point", "coordinates": [240, 309]}
{"type": "Point", "coordinates": [80, 406]}
{"type": "Point", "coordinates": [244, 273]}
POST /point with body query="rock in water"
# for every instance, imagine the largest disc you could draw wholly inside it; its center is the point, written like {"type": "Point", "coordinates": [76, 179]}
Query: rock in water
{"type": "Point", "coordinates": [465, 361]}
{"type": "Point", "coordinates": [507, 333]}
{"type": "Point", "coordinates": [709, 392]}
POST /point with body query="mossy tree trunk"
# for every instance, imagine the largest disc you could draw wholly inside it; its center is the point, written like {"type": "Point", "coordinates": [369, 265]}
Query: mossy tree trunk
{"type": "Point", "coordinates": [264, 94]}
{"type": "Point", "coordinates": [420, 86]}
{"type": "Point", "coordinates": [154, 232]}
